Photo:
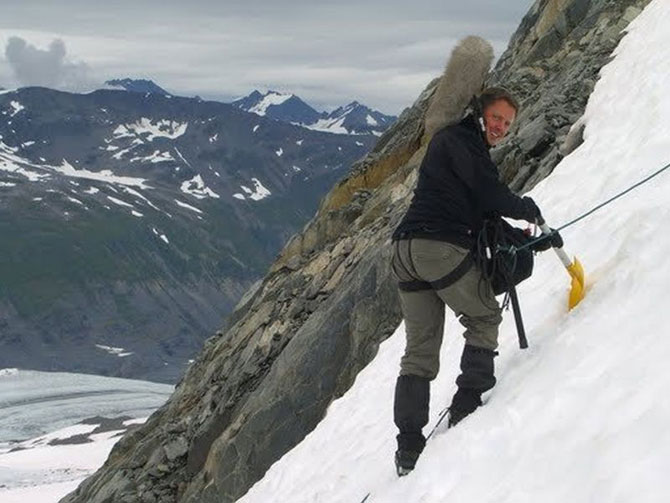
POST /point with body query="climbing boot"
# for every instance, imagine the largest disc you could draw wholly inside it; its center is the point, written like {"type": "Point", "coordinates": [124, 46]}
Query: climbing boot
{"type": "Point", "coordinates": [476, 377]}
{"type": "Point", "coordinates": [410, 413]}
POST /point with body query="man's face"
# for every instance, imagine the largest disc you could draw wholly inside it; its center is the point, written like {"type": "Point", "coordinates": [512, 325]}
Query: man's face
{"type": "Point", "coordinates": [498, 118]}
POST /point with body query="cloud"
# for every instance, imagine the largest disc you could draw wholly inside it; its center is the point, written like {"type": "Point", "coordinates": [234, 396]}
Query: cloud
{"type": "Point", "coordinates": [46, 67]}
{"type": "Point", "coordinates": [380, 52]}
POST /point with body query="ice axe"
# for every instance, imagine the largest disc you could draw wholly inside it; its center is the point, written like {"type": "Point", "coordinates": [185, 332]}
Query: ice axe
{"type": "Point", "coordinates": [575, 270]}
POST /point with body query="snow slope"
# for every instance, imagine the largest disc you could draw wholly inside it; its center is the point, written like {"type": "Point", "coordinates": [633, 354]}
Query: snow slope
{"type": "Point", "coordinates": [582, 415]}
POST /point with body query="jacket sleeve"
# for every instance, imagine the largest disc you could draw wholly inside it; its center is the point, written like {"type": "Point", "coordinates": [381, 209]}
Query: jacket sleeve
{"type": "Point", "coordinates": [496, 197]}
{"type": "Point", "coordinates": [480, 175]}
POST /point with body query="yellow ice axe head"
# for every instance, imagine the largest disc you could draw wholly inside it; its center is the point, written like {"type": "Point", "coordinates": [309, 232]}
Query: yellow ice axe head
{"type": "Point", "coordinates": [577, 288]}
{"type": "Point", "coordinates": [575, 270]}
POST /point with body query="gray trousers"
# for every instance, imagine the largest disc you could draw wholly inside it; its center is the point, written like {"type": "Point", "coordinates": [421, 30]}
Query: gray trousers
{"type": "Point", "coordinates": [470, 297]}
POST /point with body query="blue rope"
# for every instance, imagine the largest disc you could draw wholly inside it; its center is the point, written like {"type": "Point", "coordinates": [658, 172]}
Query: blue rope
{"type": "Point", "coordinates": [593, 210]}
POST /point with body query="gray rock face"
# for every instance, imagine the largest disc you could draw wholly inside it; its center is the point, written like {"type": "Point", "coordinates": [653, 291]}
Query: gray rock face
{"type": "Point", "coordinates": [552, 64]}
{"type": "Point", "coordinates": [264, 383]}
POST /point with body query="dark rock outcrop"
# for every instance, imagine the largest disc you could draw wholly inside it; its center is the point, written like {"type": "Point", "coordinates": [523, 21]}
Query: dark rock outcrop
{"type": "Point", "coordinates": [262, 384]}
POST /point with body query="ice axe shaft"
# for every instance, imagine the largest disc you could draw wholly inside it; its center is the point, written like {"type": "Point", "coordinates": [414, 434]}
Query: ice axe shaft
{"type": "Point", "coordinates": [523, 340]}
{"type": "Point", "coordinates": [574, 268]}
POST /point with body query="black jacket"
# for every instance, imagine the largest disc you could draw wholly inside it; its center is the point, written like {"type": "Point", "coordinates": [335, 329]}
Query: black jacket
{"type": "Point", "coordinates": [458, 188]}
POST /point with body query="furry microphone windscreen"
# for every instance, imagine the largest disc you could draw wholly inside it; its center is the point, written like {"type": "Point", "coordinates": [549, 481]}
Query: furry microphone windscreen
{"type": "Point", "coordinates": [463, 77]}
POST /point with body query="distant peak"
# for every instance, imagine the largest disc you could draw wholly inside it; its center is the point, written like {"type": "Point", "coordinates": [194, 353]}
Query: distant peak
{"type": "Point", "coordinates": [137, 86]}
{"type": "Point", "coordinates": [277, 93]}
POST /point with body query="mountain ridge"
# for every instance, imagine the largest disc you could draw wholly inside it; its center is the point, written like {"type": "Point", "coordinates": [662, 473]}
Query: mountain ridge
{"type": "Point", "coordinates": [137, 86]}
{"type": "Point", "coordinates": [147, 204]}
{"type": "Point", "coordinates": [353, 118]}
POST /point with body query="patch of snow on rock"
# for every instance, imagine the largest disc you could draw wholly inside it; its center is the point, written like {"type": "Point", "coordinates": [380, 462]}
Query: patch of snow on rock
{"type": "Point", "coordinates": [120, 352]}
{"type": "Point", "coordinates": [196, 188]}
{"type": "Point", "coordinates": [259, 192]}
{"type": "Point", "coordinates": [330, 126]}
{"type": "Point", "coordinates": [75, 200]}
{"type": "Point", "coordinates": [160, 235]}
{"type": "Point", "coordinates": [105, 175]}
{"type": "Point", "coordinates": [154, 158]}
{"type": "Point", "coordinates": [160, 129]}
{"type": "Point", "coordinates": [17, 107]}
{"type": "Point", "coordinates": [271, 99]}
{"type": "Point", "coordinates": [119, 202]}
{"type": "Point", "coordinates": [187, 206]}
{"type": "Point", "coordinates": [12, 163]}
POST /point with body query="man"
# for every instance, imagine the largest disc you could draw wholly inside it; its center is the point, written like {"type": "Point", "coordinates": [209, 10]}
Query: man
{"type": "Point", "coordinates": [457, 189]}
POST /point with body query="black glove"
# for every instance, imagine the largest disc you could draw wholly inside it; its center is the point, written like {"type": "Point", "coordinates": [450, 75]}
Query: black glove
{"type": "Point", "coordinates": [553, 240]}
{"type": "Point", "coordinates": [533, 213]}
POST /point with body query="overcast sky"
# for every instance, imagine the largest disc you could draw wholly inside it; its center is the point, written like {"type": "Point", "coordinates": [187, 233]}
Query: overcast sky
{"type": "Point", "coordinates": [379, 52]}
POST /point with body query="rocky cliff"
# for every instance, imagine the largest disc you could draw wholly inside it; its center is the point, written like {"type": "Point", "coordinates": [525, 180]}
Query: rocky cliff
{"type": "Point", "coordinates": [264, 382]}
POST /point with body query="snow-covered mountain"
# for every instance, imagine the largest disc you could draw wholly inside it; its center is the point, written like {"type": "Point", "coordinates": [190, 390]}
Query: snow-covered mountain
{"type": "Point", "coordinates": [136, 86]}
{"type": "Point", "coordinates": [133, 222]}
{"type": "Point", "coordinates": [580, 416]}
{"type": "Point", "coordinates": [280, 106]}
{"type": "Point", "coordinates": [354, 118]}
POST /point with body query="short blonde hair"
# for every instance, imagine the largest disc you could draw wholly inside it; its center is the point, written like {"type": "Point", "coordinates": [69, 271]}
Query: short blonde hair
{"type": "Point", "coordinates": [492, 94]}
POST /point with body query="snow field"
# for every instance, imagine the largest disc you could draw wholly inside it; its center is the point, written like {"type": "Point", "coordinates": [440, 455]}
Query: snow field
{"type": "Point", "coordinates": [46, 473]}
{"type": "Point", "coordinates": [37, 408]}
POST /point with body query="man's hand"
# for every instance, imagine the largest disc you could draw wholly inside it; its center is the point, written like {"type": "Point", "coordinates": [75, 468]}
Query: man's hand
{"type": "Point", "coordinates": [533, 213]}
{"type": "Point", "coordinates": [553, 240]}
